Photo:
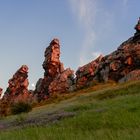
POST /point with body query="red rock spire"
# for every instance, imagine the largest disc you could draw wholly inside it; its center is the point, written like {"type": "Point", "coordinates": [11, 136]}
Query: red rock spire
{"type": "Point", "coordinates": [53, 70]}
{"type": "Point", "coordinates": [18, 84]}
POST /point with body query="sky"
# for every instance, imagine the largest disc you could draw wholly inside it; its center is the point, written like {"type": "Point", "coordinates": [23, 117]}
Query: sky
{"type": "Point", "coordinates": [85, 28]}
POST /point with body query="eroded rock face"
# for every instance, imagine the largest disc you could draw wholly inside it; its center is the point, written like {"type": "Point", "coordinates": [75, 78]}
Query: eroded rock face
{"type": "Point", "coordinates": [121, 62]}
{"type": "Point", "coordinates": [84, 75]}
{"type": "Point", "coordinates": [62, 82]}
{"type": "Point", "coordinates": [131, 76]}
{"type": "Point", "coordinates": [54, 69]}
{"type": "Point", "coordinates": [120, 66]}
{"type": "Point", "coordinates": [52, 64]}
{"type": "Point", "coordinates": [18, 85]}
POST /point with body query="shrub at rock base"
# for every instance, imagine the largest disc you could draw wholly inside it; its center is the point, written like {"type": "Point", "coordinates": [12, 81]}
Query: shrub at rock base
{"type": "Point", "coordinates": [21, 107]}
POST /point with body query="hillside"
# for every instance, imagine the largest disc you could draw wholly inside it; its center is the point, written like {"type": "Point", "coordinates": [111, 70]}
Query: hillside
{"type": "Point", "coordinates": [106, 111]}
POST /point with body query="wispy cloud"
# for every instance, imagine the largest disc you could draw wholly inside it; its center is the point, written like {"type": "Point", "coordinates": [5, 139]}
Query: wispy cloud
{"type": "Point", "coordinates": [125, 8]}
{"type": "Point", "coordinates": [92, 14]}
{"type": "Point", "coordinates": [125, 2]}
{"type": "Point", "coordinates": [86, 11]}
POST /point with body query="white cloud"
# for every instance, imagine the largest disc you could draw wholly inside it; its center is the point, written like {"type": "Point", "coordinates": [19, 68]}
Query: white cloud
{"type": "Point", "coordinates": [86, 11]}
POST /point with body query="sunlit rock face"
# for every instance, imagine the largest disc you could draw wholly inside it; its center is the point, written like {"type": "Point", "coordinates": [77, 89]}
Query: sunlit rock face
{"type": "Point", "coordinates": [84, 74]}
{"type": "Point", "coordinates": [18, 85]}
{"type": "Point", "coordinates": [119, 66]}
{"type": "Point", "coordinates": [52, 64]}
{"type": "Point", "coordinates": [62, 82]}
{"type": "Point", "coordinates": [54, 69]}
{"type": "Point", "coordinates": [121, 62]}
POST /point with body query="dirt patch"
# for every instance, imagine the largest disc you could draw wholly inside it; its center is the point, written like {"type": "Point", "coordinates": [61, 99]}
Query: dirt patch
{"type": "Point", "coordinates": [46, 119]}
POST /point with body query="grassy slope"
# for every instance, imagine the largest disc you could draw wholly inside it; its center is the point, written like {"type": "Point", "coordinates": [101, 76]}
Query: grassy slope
{"type": "Point", "coordinates": [111, 113]}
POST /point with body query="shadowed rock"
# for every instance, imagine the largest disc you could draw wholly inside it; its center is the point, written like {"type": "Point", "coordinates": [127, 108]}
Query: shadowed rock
{"type": "Point", "coordinates": [1, 92]}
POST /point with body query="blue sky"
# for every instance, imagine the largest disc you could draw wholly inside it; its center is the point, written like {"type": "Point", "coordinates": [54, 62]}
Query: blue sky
{"type": "Point", "coordinates": [86, 28]}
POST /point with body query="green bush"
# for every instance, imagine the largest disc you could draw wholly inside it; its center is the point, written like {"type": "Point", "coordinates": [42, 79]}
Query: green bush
{"type": "Point", "coordinates": [21, 107]}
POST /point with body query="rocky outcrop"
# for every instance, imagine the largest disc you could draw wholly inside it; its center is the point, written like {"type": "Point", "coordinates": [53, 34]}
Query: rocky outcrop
{"type": "Point", "coordinates": [122, 61]}
{"type": "Point", "coordinates": [62, 83]}
{"type": "Point", "coordinates": [84, 75]}
{"type": "Point", "coordinates": [18, 86]}
{"type": "Point", "coordinates": [131, 76]}
{"type": "Point", "coordinates": [56, 79]}
{"type": "Point", "coordinates": [119, 66]}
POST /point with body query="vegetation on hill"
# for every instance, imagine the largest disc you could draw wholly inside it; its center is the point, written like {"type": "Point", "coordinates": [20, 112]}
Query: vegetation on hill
{"type": "Point", "coordinates": [102, 112]}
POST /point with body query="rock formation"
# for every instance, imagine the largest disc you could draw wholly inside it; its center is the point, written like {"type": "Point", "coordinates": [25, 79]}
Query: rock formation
{"type": "Point", "coordinates": [63, 82]}
{"type": "Point", "coordinates": [18, 85]}
{"type": "Point", "coordinates": [121, 65]}
{"type": "Point", "coordinates": [84, 75]}
{"type": "Point", "coordinates": [131, 76]}
{"type": "Point", "coordinates": [121, 62]}
{"type": "Point", "coordinates": [56, 79]}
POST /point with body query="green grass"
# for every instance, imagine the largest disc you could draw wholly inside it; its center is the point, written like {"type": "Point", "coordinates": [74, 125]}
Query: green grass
{"type": "Point", "coordinates": [112, 113]}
